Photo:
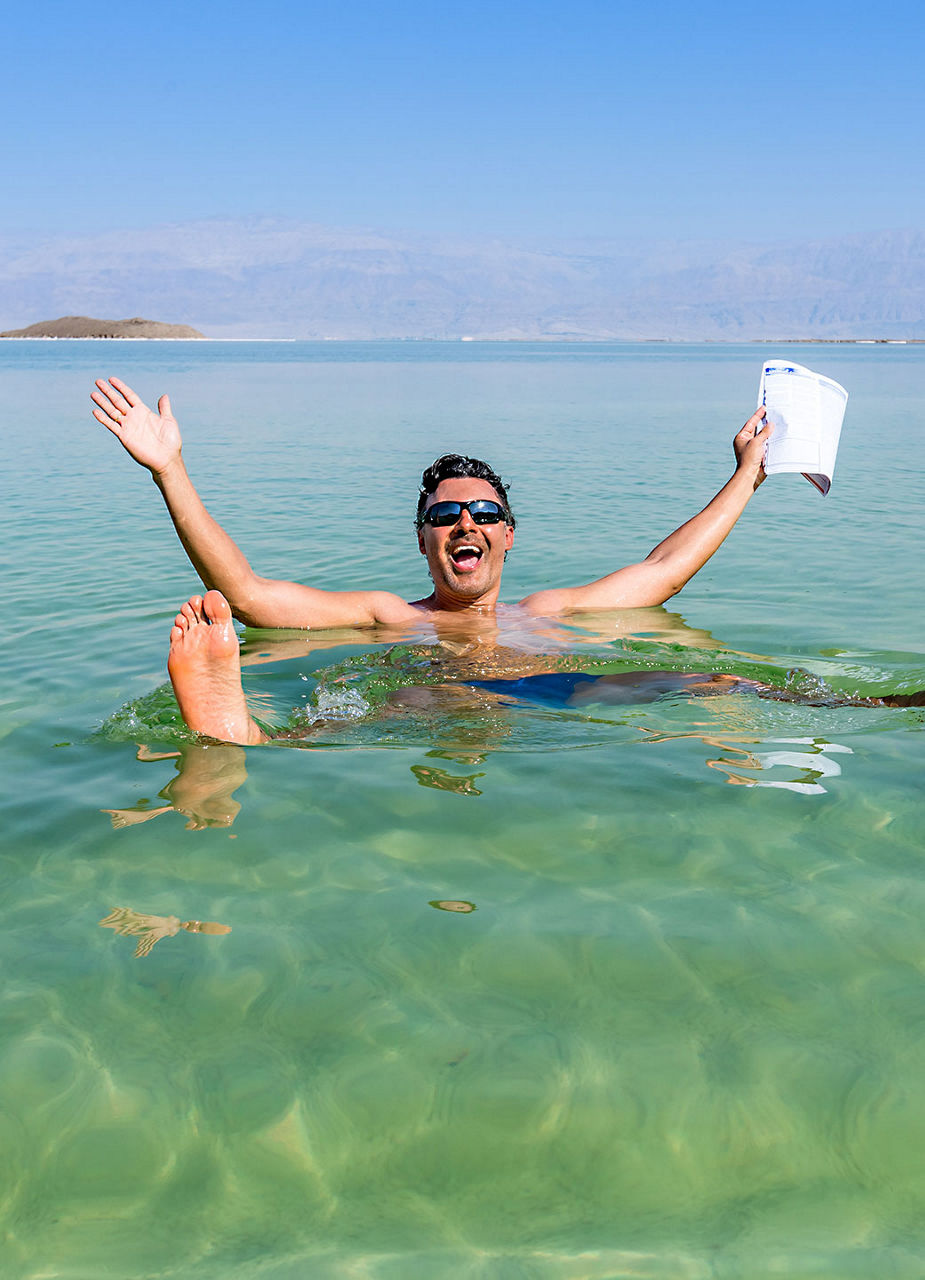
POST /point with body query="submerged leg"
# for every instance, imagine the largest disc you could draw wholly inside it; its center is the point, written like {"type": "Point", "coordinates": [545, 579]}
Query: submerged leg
{"type": "Point", "coordinates": [204, 666]}
{"type": "Point", "coordinates": [646, 686]}
{"type": "Point", "coordinates": [576, 688]}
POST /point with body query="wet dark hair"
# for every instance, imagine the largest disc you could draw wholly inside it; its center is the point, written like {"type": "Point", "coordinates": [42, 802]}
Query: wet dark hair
{"type": "Point", "coordinates": [454, 466]}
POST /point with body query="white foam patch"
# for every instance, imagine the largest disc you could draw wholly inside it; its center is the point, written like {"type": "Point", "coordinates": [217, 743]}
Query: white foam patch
{"type": "Point", "coordinates": [339, 704]}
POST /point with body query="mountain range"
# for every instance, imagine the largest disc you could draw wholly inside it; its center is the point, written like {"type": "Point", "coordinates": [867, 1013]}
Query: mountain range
{"type": "Point", "coordinates": [272, 277]}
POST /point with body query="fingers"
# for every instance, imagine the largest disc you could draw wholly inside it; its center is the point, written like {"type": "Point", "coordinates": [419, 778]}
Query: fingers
{"type": "Point", "coordinates": [106, 406]}
{"type": "Point", "coordinates": [127, 393]}
{"type": "Point", "coordinates": [753, 426]}
{"type": "Point", "coordinates": [111, 406]}
{"type": "Point", "coordinates": [114, 399]}
{"type": "Point", "coordinates": [111, 423]}
{"type": "Point", "coordinates": [754, 429]}
{"type": "Point", "coordinates": [163, 407]}
{"type": "Point", "coordinates": [109, 397]}
{"type": "Point", "coordinates": [749, 445]}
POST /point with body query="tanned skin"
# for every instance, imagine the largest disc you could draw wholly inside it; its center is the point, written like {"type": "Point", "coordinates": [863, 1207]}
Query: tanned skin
{"type": "Point", "coordinates": [465, 560]}
{"type": "Point", "coordinates": [153, 440]}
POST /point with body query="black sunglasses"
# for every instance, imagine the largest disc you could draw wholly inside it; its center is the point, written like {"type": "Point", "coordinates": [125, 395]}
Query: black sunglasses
{"type": "Point", "coordinates": [482, 511]}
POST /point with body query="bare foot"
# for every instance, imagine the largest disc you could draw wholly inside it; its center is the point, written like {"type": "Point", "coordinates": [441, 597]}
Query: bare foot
{"type": "Point", "coordinates": [204, 666]}
{"type": "Point", "coordinates": [132, 817]}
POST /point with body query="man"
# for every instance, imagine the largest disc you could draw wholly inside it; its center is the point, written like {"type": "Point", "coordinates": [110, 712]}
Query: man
{"type": "Point", "coordinates": [465, 528]}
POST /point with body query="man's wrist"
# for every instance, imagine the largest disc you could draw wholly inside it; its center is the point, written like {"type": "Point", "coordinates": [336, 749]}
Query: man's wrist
{"type": "Point", "coordinates": [746, 477]}
{"type": "Point", "coordinates": [166, 473]}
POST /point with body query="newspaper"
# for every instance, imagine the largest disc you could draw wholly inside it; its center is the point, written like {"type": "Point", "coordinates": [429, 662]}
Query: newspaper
{"type": "Point", "coordinates": [807, 410]}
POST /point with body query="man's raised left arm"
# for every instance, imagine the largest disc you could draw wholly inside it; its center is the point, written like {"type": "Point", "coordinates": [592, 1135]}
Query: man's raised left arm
{"type": "Point", "coordinates": [674, 561]}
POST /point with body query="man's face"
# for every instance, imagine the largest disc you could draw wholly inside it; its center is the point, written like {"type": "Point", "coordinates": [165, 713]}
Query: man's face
{"type": "Point", "coordinates": [465, 559]}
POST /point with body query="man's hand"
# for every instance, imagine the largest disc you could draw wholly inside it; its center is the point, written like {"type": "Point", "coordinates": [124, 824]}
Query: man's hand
{"type": "Point", "coordinates": [749, 446]}
{"type": "Point", "coordinates": [153, 439]}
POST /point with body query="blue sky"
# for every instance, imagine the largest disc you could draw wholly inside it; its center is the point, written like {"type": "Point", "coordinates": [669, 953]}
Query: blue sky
{"type": "Point", "coordinates": [540, 120]}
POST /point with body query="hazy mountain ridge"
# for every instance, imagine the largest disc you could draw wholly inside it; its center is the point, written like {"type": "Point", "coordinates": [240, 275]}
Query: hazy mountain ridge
{"type": "Point", "coordinates": [277, 278]}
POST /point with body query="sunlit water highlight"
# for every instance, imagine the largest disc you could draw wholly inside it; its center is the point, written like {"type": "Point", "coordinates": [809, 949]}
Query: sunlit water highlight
{"type": "Point", "coordinates": [681, 1033]}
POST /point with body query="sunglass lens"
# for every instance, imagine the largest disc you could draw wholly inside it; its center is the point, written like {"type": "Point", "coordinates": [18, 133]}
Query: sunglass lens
{"type": "Point", "coordinates": [443, 513]}
{"type": "Point", "coordinates": [485, 512]}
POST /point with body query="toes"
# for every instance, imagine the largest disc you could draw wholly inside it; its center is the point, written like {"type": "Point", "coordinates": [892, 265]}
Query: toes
{"type": "Point", "coordinates": [192, 610]}
{"type": "Point", "coordinates": [216, 607]}
{"type": "Point", "coordinates": [193, 614]}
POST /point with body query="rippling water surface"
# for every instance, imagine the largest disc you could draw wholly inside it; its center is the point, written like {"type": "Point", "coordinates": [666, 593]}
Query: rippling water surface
{"type": "Point", "coordinates": [512, 987]}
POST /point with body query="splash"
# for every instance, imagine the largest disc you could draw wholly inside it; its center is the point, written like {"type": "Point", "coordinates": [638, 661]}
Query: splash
{"type": "Point", "coordinates": [155, 717]}
{"type": "Point", "coordinates": [336, 703]}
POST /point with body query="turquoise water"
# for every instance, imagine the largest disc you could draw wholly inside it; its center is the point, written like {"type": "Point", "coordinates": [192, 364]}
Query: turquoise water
{"type": "Point", "coordinates": [683, 1031]}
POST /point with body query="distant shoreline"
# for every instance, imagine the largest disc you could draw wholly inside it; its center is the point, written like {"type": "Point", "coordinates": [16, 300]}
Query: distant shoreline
{"type": "Point", "coordinates": [198, 341]}
{"type": "Point", "coordinates": [689, 342]}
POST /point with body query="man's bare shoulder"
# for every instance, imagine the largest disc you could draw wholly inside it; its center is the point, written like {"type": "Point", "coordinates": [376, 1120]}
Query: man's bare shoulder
{"type": "Point", "coordinates": [547, 604]}
{"type": "Point", "coordinates": [390, 609]}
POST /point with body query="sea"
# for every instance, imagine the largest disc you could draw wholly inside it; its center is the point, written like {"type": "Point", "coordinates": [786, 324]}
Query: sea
{"type": "Point", "coordinates": [446, 982]}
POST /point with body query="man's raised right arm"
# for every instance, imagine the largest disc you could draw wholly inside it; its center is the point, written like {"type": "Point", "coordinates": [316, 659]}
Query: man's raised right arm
{"type": "Point", "coordinates": [153, 440]}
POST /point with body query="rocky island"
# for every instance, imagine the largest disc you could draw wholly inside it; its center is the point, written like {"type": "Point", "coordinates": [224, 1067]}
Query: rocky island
{"type": "Point", "coordinates": [86, 327]}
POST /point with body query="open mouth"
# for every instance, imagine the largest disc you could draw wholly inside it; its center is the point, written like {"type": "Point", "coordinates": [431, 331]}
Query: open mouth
{"type": "Point", "coordinates": [466, 556]}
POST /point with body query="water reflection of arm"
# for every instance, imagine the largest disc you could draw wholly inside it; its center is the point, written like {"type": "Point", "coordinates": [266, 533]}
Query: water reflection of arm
{"type": "Point", "coordinates": [675, 560]}
{"type": "Point", "coordinates": [262, 649]}
{"type": "Point", "coordinates": [653, 625]}
{"type": "Point", "coordinates": [153, 440]}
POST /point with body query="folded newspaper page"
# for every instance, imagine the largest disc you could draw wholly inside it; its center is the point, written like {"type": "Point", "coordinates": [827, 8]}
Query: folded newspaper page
{"type": "Point", "coordinates": [807, 410]}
